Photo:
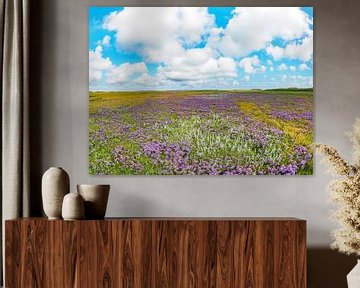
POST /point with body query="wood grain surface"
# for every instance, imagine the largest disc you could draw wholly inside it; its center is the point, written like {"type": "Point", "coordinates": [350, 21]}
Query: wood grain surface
{"type": "Point", "coordinates": [157, 253]}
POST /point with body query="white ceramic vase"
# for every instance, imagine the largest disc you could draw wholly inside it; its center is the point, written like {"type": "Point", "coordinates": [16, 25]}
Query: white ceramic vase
{"type": "Point", "coordinates": [96, 198]}
{"type": "Point", "coordinates": [55, 185]}
{"type": "Point", "coordinates": [353, 278]}
{"type": "Point", "coordinates": [73, 207]}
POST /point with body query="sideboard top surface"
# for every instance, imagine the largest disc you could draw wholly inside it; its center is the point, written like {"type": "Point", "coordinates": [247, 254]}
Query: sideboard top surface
{"type": "Point", "coordinates": [174, 219]}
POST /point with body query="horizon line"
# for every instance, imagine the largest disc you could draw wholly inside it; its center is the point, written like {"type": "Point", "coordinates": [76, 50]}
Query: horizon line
{"type": "Point", "coordinates": [165, 90]}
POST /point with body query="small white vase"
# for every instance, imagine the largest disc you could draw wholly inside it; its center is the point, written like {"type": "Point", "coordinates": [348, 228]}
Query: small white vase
{"type": "Point", "coordinates": [96, 198]}
{"type": "Point", "coordinates": [353, 278]}
{"type": "Point", "coordinates": [73, 207]}
{"type": "Point", "coordinates": [55, 185]}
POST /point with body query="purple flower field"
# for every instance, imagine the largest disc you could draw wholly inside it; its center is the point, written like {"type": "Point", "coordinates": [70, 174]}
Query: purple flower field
{"type": "Point", "coordinates": [201, 133]}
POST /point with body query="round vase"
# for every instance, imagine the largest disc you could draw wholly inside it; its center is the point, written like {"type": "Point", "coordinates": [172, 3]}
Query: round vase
{"type": "Point", "coordinates": [73, 207]}
{"type": "Point", "coordinates": [96, 198]}
{"type": "Point", "coordinates": [55, 185]}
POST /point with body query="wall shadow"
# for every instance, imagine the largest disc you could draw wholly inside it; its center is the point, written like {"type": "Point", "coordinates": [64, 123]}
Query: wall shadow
{"type": "Point", "coordinates": [35, 104]}
{"type": "Point", "coordinates": [328, 268]}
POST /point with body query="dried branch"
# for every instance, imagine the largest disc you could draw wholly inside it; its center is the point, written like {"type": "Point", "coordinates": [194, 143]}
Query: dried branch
{"type": "Point", "coordinates": [337, 163]}
{"type": "Point", "coordinates": [355, 138]}
{"type": "Point", "coordinates": [346, 193]}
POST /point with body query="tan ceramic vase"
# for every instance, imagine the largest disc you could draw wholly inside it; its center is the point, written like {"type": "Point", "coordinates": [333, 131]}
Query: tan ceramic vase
{"type": "Point", "coordinates": [96, 198]}
{"type": "Point", "coordinates": [73, 207]}
{"type": "Point", "coordinates": [55, 185]}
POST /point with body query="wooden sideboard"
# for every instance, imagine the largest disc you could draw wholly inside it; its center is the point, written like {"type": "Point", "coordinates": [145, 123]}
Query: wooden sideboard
{"type": "Point", "coordinates": [156, 252]}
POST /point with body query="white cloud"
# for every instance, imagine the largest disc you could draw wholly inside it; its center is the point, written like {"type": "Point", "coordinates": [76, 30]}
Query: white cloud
{"type": "Point", "coordinates": [252, 28]}
{"type": "Point", "coordinates": [95, 75]}
{"type": "Point", "coordinates": [252, 65]}
{"type": "Point", "coordinates": [122, 73]}
{"type": "Point", "coordinates": [96, 60]}
{"type": "Point", "coordinates": [197, 63]}
{"type": "Point", "coordinates": [310, 81]}
{"type": "Point", "coordinates": [193, 22]}
{"type": "Point", "coordinates": [282, 67]}
{"type": "Point", "coordinates": [162, 31]}
{"type": "Point", "coordinates": [227, 66]}
{"type": "Point", "coordinates": [101, 67]}
{"type": "Point", "coordinates": [303, 67]}
{"type": "Point", "coordinates": [214, 83]}
{"type": "Point", "coordinates": [275, 51]}
{"type": "Point", "coordinates": [145, 79]}
{"type": "Point", "coordinates": [298, 81]}
{"type": "Point", "coordinates": [97, 64]}
{"type": "Point", "coordinates": [166, 36]}
{"type": "Point", "coordinates": [105, 41]}
{"type": "Point", "coordinates": [302, 49]}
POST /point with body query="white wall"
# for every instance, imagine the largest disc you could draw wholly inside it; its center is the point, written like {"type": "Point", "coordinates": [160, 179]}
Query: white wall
{"type": "Point", "coordinates": [59, 92]}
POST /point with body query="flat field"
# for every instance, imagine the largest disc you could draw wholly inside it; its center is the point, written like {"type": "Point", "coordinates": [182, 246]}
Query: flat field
{"type": "Point", "coordinates": [256, 132]}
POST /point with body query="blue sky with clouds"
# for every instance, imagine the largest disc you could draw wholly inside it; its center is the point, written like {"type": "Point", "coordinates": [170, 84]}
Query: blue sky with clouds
{"type": "Point", "coordinates": [172, 48]}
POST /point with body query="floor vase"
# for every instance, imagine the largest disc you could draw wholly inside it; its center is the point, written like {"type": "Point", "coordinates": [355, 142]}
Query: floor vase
{"type": "Point", "coordinates": [353, 278]}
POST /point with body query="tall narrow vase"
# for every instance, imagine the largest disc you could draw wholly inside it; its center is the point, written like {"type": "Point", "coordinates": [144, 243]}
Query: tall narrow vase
{"type": "Point", "coordinates": [55, 185]}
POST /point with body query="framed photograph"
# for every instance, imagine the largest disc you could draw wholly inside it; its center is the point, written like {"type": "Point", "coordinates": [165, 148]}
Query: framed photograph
{"type": "Point", "coordinates": [200, 90]}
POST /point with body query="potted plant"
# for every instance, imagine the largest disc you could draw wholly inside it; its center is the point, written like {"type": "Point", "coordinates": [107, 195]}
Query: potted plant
{"type": "Point", "coordinates": [345, 191]}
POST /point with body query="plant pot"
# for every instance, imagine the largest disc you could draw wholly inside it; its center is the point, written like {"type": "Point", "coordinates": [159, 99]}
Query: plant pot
{"type": "Point", "coordinates": [96, 198]}
{"type": "Point", "coordinates": [55, 185]}
{"type": "Point", "coordinates": [353, 278]}
{"type": "Point", "coordinates": [73, 207]}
